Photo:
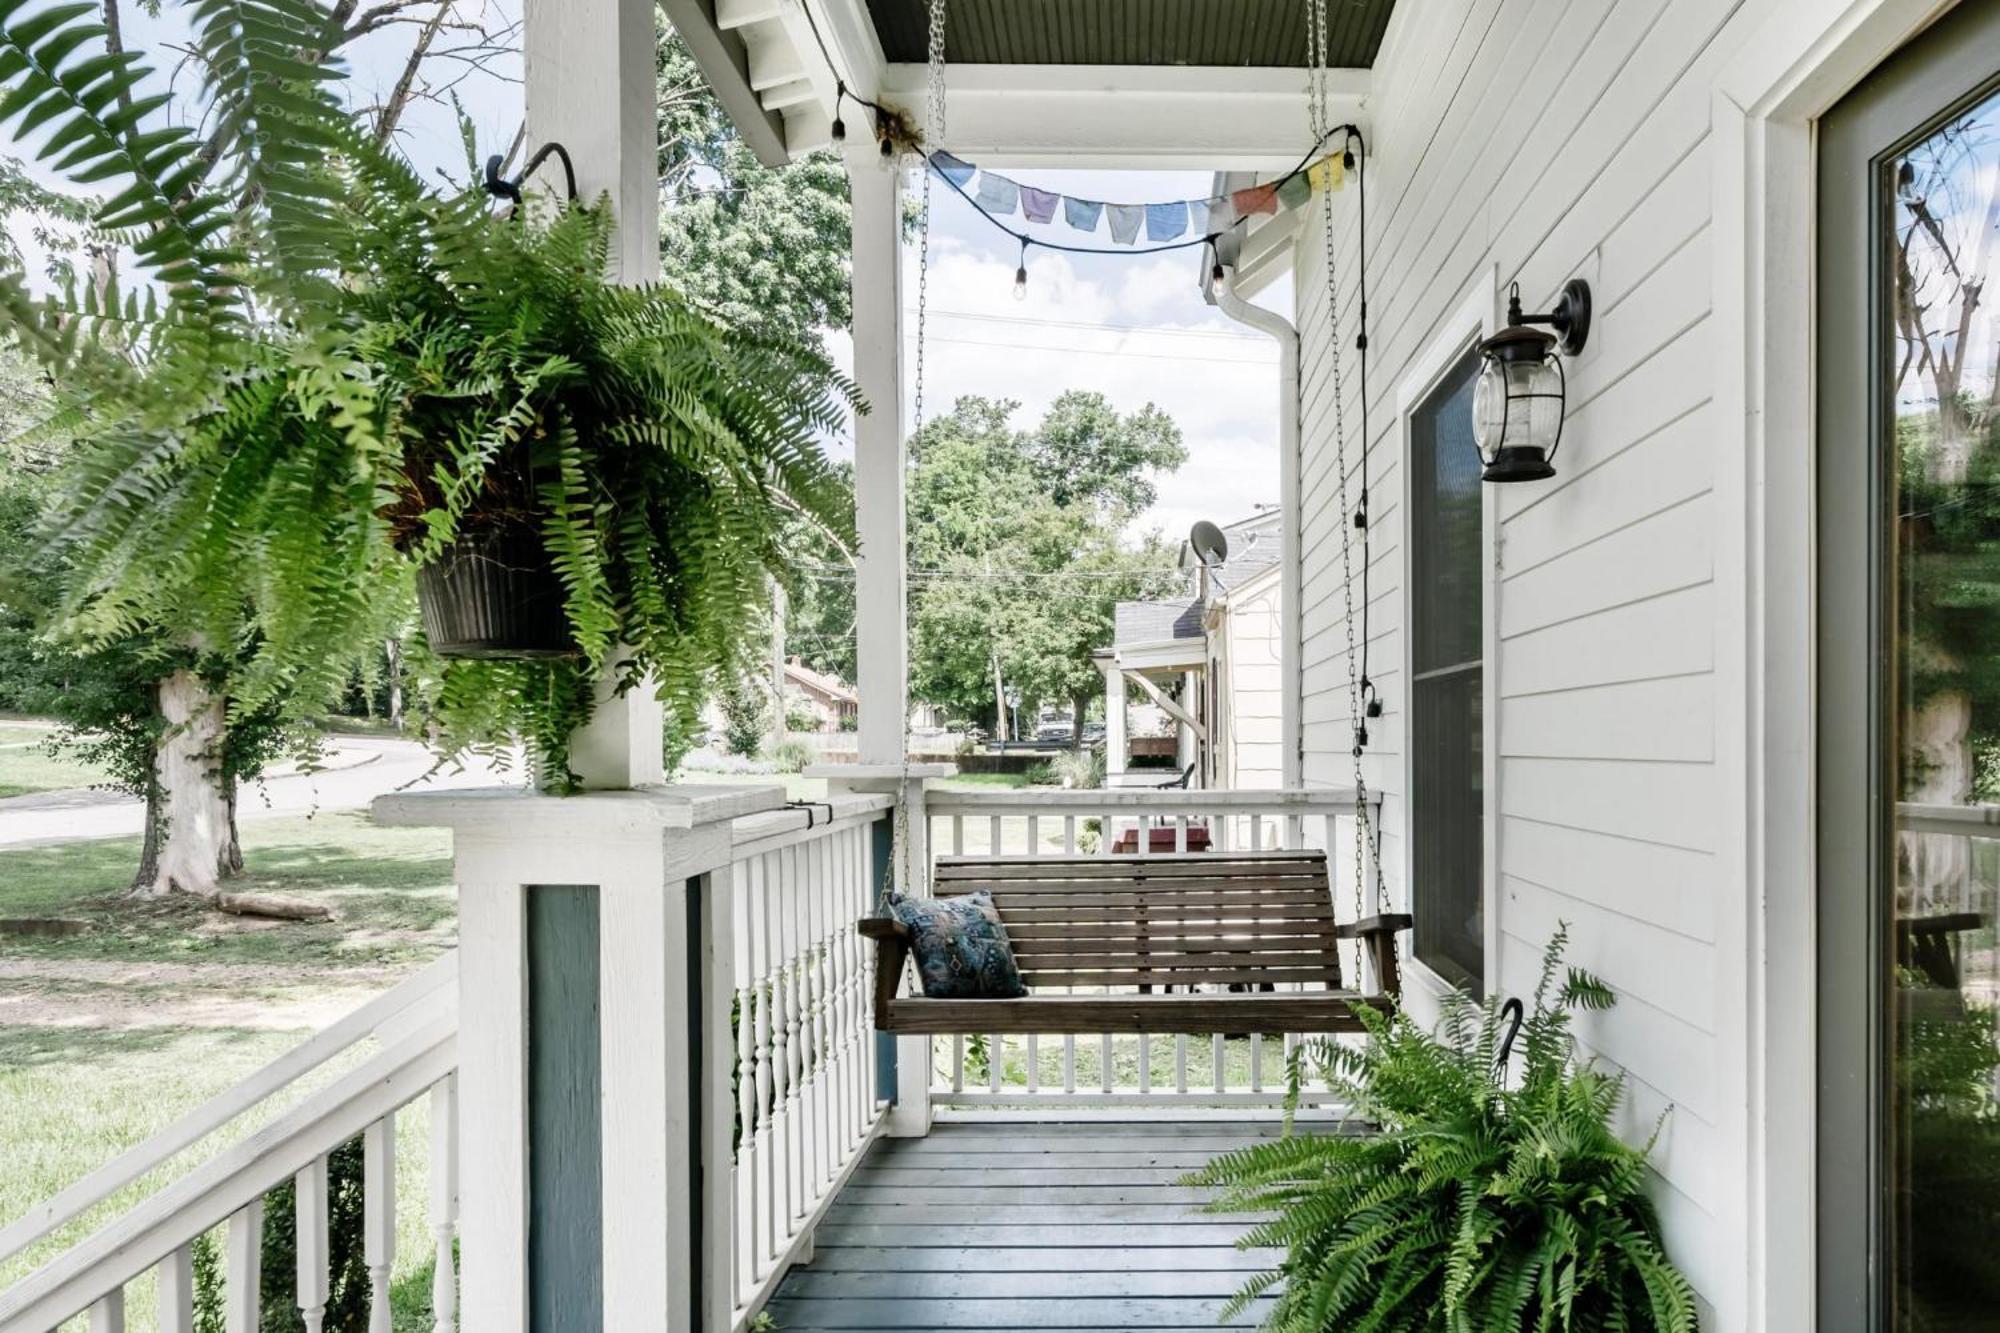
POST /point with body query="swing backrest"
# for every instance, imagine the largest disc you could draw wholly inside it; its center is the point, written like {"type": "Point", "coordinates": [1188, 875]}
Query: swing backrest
{"type": "Point", "coordinates": [1127, 921]}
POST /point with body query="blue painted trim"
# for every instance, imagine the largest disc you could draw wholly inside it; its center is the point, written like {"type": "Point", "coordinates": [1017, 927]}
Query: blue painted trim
{"type": "Point", "coordinates": [565, 1113]}
{"type": "Point", "coordinates": [884, 879]}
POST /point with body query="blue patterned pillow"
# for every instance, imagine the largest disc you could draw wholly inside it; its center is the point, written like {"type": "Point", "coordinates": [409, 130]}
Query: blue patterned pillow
{"type": "Point", "coordinates": [961, 948]}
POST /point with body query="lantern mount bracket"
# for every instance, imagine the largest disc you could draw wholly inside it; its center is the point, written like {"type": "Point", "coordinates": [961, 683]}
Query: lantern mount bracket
{"type": "Point", "coordinates": [1570, 319]}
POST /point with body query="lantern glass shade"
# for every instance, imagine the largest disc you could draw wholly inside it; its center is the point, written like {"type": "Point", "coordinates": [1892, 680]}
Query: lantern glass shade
{"type": "Point", "coordinates": [1517, 405]}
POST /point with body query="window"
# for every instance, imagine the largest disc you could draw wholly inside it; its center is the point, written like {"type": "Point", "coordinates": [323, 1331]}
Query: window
{"type": "Point", "coordinates": [1447, 799]}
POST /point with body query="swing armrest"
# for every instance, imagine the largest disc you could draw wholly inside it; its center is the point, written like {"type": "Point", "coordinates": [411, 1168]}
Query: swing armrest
{"type": "Point", "coordinates": [892, 946]}
{"type": "Point", "coordinates": [1378, 933]}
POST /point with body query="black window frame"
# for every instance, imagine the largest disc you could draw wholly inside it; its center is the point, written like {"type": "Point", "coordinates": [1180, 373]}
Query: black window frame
{"type": "Point", "coordinates": [1447, 705]}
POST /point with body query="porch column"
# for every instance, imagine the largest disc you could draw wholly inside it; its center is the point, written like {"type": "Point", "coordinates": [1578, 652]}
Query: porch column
{"type": "Point", "coordinates": [589, 71]}
{"type": "Point", "coordinates": [1114, 719]}
{"type": "Point", "coordinates": [880, 625]}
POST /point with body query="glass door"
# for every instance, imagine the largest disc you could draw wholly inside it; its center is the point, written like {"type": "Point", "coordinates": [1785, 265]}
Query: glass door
{"type": "Point", "coordinates": [1909, 665]}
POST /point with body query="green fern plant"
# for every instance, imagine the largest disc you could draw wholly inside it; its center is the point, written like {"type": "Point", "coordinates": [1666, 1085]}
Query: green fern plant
{"type": "Point", "coordinates": [329, 375]}
{"type": "Point", "coordinates": [1475, 1204]}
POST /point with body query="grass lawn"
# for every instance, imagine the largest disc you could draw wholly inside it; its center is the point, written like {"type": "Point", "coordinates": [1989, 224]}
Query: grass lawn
{"type": "Point", "coordinates": [107, 1036]}
{"type": "Point", "coordinates": [27, 768]}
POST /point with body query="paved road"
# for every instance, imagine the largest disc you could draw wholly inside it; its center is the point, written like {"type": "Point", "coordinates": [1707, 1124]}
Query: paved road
{"type": "Point", "coordinates": [370, 766]}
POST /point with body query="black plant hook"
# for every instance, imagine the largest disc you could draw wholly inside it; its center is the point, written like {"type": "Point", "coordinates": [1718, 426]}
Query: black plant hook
{"type": "Point", "coordinates": [501, 188]}
{"type": "Point", "coordinates": [1515, 1011]}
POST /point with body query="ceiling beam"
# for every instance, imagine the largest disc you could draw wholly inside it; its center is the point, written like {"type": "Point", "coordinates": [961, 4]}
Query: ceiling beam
{"type": "Point", "coordinates": [724, 59]}
{"type": "Point", "coordinates": [1140, 116]}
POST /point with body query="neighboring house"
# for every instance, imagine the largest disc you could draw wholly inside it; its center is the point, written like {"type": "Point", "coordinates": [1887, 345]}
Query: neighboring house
{"type": "Point", "coordinates": [1208, 664]}
{"type": "Point", "coordinates": [830, 698]}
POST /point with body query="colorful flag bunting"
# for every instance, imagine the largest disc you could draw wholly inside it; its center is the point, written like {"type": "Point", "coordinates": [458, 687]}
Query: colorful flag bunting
{"type": "Point", "coordinates": [1198, 216]}
{"type": "Point", "coordinates": [1038, 205]}
{"type": "Point", "coordinates": [1125, 220]}
{"type": "Point", "coordinates": [1164, 222]}
{"type": "Point", "coordinates": [1082, 213]}
{"type": "Point", "coordinates": [953, 169]}
{"type": "Point", "coordinates": [1326, 174]}
{"type": "Point", "coordinates": [1257, 199]}
{"type": "Point", "coordinates": [1293, 191]}
{"type": "Point", "coordinates": [998, 195]}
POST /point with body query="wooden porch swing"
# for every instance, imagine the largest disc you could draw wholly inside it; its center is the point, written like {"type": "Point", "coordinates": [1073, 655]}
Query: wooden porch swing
{"type": "Point", "coordinates": [1260, 925]}
{"type": "Point", "coordinates": [1246, 920]}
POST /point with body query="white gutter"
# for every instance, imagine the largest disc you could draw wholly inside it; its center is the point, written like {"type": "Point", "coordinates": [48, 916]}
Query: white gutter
{"type": "Point", "coordinates": [1290, 648]}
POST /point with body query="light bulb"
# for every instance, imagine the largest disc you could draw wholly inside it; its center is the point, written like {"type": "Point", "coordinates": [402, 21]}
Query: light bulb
{"type": "Point", "coordinates": [1021, 283]}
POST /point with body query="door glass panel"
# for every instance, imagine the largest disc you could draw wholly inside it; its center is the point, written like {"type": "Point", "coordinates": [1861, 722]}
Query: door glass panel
{"type": "Point", "coordinates": [1942, 211]}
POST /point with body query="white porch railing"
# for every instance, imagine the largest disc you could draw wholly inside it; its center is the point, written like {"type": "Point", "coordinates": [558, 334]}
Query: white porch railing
{"type": "Point", "coordinates": [788, 998]}
{"type": "Point", "coordinates": [1188, 1069]}
{"type": "Point", "coordinates": [414, 1031]}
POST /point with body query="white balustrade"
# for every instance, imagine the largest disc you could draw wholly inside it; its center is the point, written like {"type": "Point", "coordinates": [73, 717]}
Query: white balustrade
{"type": "Point", "coordinates": [997, 1070]}
{"type": "Point", "coordinates": [792, 1007]}
{"type": "Point", "coordinates": [413, 1028]}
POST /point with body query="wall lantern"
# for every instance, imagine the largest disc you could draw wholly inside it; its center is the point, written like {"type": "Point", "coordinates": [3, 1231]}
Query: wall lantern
{"type": "Point", "coordinates": [1517, 406]}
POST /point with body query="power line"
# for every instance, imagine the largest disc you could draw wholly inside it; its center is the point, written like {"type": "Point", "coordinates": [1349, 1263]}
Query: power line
{"type": "Point", "coordinates": [1221, 335]}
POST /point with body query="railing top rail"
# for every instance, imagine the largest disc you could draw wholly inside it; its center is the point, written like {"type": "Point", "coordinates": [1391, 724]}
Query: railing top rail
{"type": "Point", "coordinates": [208, 1195]}
{"type": "Point", "coordinates": [1968, 820]}
{"type": "Point", "coordinates": [432, 992]}
{"type": "Point", "coordinates": [751, 834]}
{"type": "Point", "coordinates": [1147, 800]}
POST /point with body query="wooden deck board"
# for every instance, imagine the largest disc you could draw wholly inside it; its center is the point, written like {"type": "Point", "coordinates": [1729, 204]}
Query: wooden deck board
{"type": "Point", "coordinates": [1056, 1227]}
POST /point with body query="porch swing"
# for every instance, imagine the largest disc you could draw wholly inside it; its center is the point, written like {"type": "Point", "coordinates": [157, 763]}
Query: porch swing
{"type": "Point", "coordinates": [1239, 921]}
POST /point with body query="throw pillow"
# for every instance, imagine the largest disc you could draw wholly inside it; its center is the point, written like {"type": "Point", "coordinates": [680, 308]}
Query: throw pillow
{"type": "Point", "coordinates": [962, 950]}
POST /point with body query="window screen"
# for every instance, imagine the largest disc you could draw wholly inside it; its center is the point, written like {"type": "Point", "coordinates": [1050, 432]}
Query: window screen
{"type": "Point", "coordinates": [1447, 803]}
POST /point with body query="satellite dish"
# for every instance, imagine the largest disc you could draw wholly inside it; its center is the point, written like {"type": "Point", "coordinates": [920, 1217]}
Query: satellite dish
{"type": "Point", "coordinates": [1210, 547]}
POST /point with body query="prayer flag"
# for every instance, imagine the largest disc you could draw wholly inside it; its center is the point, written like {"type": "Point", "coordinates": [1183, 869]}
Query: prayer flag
{"type": "Point", "coordinates": [1293, 191]}
{"type": "Point", "coordinates": [1125, 220]}
{"type": "Point", "coordinates": [997, 194]}
{"type": "Point", "coordinates": [1166, 221]}
{"type": "Point", "coordinates": [952, 169]}
{"type": "Point", "coordinates": [1082, 213]}
{"type": "Point", "coordinates": [1038, 205]}
{"type": "Point", "coordinates": [1327, 174]}
{"type": "Point", "coordinates": [1257, 199]}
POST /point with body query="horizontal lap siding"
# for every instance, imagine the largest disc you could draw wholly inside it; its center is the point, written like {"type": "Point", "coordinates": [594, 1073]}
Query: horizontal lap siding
{"type": "Point", "coordinates": [1561, 138]}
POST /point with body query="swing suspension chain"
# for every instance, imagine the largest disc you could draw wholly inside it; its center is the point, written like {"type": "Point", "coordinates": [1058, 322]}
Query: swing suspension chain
{"type": "Point", "coordinates": [1322, 125]}
{"type": "Point", "coordinates": [914, 875]}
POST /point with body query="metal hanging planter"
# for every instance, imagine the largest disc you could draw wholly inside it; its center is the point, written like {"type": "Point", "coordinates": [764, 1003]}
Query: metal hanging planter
{"type": "Point", "coordinates": [494, 595]}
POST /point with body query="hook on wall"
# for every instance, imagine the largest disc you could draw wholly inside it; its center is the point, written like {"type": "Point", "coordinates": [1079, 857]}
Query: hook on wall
{"type": "Point", "coordinates": [501, 188]}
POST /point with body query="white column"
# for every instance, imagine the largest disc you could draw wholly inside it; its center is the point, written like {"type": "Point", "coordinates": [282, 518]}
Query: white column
{"type": "Point", "coordinates": [880, 628]}
{"type": "Point", "coordinates": [590, 86]}
{"type": "Point", "coordinates": [1114, 720]}
{"type": "Point", "coordinates": [589, 72]}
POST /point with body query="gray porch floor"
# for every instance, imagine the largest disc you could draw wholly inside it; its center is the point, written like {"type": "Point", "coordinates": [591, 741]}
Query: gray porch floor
{"type": "Point", "coordinates": [1065, 1225]}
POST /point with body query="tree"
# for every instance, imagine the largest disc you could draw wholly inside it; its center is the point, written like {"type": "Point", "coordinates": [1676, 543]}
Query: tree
{"type": "Point", "coordinates": [765, 247]}
{"type": "Point", "coordinates": [223, 234]}
{"type": "Point", "coordinates": [1019, 548]}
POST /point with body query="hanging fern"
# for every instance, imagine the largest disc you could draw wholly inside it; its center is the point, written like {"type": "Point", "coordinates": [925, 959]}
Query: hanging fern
{"type": "Point", "coordinates": [1476, 1207]}
{"type": "Point", "coordinates": [330, 374]}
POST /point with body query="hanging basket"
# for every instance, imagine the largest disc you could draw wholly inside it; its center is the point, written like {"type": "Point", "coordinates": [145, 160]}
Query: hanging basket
{"type": "Point", "coordinates": [494, 595]}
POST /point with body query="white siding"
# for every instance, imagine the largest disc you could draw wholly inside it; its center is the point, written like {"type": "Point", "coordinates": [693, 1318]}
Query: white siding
{"type": "Point", "coordinates": [1253, 731]}
{"type": "Point", "coordinates": [1567, 138]}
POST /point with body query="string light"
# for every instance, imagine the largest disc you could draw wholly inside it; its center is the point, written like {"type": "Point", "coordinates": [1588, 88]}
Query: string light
{"type": "Point", "coordinates": [839, 126]}
{"type": "Point", "coordinates": [1021, 274]}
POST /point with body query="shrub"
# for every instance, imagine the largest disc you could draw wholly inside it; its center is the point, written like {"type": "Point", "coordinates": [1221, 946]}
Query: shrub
{"type": "Point", "coordinates": [1043, 774]}
{"type": "Point", "coordinates": [1476, 1207]}
{"type": "Point", "coordinates": [791, 757]}
{"type": "Point", "coordinates": [1080, 768]}
{"type": "Point", "coordinates": [743, 719]}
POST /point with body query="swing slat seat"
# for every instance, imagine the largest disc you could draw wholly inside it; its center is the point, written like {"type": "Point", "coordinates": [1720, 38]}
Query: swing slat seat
{"type": "Point", "coordinates": [1248, 921]}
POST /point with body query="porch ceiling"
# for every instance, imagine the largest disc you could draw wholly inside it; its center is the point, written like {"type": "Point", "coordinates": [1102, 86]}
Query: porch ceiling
{"type": "Point", "coordinates": [1128, 32]}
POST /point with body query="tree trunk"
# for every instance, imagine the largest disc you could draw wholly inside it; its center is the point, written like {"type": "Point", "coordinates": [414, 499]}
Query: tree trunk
{"type": "Point", "coordinates": [1076, 709]}
{"type": "Point", "coordinates": [1934, 871]}
{"type": "Point", "coordinates": [999, 700]}
{"type": "Point", "coordinates": [149, 850]}
{"type": "Point", "coordinates": [198, 842]}
{"type": "Point", "coordinates": [393, 650]}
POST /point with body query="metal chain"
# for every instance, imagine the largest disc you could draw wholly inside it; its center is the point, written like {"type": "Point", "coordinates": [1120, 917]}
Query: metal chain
{"type": "Point", "coordinates": [1321, 124]}
{"type": "Point", "coordinates": [918, 876]}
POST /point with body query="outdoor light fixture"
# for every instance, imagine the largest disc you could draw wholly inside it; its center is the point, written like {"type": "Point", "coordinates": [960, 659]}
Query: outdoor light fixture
{"type": "Point", "coordinates": [1021, 273]}
{"type": "Point", "coordinates": [1517, 406]}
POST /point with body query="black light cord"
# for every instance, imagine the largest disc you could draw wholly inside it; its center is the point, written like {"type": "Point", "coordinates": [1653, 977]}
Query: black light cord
{"type": "Point", "coordinates": [501, 188]}
{"type": "Point", "coordinates": [1371, 701]}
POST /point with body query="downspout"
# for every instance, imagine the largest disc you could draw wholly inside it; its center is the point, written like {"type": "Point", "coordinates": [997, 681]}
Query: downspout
{"type": "Point", "coordinates": [1291, 616]}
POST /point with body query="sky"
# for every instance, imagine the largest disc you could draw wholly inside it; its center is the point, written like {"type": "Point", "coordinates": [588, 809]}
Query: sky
{"type": "Point", "coordinates": [1133, 327]}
